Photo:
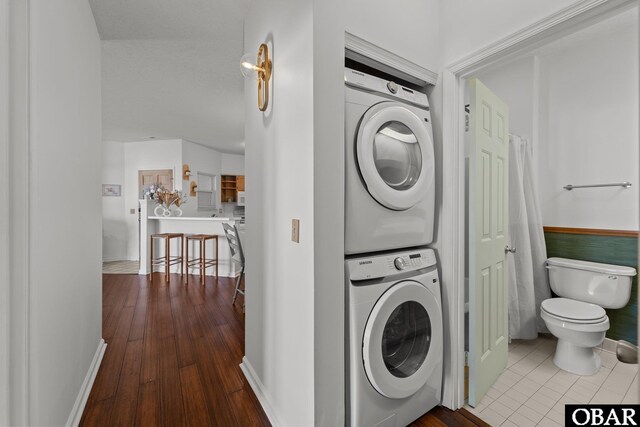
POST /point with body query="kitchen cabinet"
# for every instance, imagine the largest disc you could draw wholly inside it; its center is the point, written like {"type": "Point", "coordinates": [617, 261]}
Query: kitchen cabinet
{"type": "Point", "coordinates": [230, 185]}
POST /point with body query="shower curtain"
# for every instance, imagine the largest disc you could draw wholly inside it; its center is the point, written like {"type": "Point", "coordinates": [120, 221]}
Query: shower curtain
{"type": "Point", "coordinates": [527, 277]}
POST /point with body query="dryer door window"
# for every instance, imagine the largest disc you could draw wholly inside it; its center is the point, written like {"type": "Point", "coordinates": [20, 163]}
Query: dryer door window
{"type": "Point", "coordinates": [397, 155]}
{"type": "Point", "coordinates": [402, 340]}
{"type": "Point", "coordinates": [394, 151]}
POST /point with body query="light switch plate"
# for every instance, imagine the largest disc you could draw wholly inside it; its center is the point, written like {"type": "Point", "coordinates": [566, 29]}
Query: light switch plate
{"type": "Point", "coordinates": [132, 211]}
{"type": "Point", "coordinates": [295, 230]}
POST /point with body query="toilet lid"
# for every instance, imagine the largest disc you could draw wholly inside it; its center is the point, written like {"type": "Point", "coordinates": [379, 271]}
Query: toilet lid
{"type": "Point", "coordinates": [572, 309]}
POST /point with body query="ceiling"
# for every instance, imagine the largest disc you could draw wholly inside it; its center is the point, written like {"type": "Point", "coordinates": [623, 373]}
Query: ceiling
{"type": "Point", "coordinates": [170, 70]}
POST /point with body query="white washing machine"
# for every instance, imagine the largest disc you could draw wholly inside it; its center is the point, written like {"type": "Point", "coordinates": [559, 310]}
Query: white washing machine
{"type": "Point", "coordinates": [394, 338]}
{"type": "Point", "coordinates": [390, 167]}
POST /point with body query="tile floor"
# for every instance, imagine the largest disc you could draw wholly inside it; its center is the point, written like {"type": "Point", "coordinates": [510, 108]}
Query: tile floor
{"type": "Point", "coordinates": [533, 391]}
{"type": "Point", "coordinates": [120, 267]}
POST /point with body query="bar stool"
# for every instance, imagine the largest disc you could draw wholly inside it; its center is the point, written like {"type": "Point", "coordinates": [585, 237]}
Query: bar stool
{"type": "Point", "coordinates": [201, 262]}
{"type": "Point", "coordinates": [167, 260]}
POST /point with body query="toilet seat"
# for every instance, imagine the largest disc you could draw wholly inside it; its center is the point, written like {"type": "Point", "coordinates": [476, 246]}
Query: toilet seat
{"type": "Point", "coordinates": [573, 311]}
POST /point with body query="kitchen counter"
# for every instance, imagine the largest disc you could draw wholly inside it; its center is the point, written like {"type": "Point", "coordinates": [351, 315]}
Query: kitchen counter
{"type": "Point", "coordinates": [196, 218]}
{"type": "Point", "coordinates": [150, 224]}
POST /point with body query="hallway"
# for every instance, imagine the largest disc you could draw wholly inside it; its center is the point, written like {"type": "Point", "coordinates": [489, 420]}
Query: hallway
{"type": "Point", "coordinates": [172, 356]}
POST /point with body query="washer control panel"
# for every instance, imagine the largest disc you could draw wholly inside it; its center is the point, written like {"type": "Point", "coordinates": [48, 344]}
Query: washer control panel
{"type": "Point", "coordinates": [400, 263]}
{"type": "Point", "coordinates": [376, 266]}
{"type": "Point", "coordinates": [374, 84]}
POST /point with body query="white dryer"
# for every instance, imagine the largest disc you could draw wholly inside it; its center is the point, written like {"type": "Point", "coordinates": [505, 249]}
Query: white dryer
{"type": "Point", "coordinates": [394, 338]}
{"type": "Point", "coordinates": [390, 167]}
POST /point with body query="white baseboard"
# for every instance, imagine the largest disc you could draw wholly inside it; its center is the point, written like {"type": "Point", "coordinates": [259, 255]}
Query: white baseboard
{"type": "Point", "coordinates": [83, 396]}
{"type": "Point", "coordinates": [111, 259]}
{"type": "Point", "coordinates": [258, 389]}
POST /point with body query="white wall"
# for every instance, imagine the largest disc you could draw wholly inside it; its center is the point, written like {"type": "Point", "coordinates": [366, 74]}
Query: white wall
{"type": "Point", "coordinates": [232, 164]}
{"type": "Point", "coordinates": [114, 228]}
{"type": "Point", "coordinates": [328, 200]}
{"type": "Point", "coordinates": [65, 206]}
{"type": "Point", "coordinates": [279, 328]}
{"type": "Point", "coordinates": [468, 25]}
{"type": "Point", "coordinates": [412, 33]}
{"type": "Point", "coordinates": [589, 132]}
{"type": "Point", "coordinates": [146, 155]}
{"type": "Point", "coordinates": [199, 159]}
{"type": "Point", "coordinates": [577, 103]}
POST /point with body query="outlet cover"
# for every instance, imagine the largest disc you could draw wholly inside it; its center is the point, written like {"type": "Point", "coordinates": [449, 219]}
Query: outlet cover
{"type": "Point", "coordinates": [295, 230]}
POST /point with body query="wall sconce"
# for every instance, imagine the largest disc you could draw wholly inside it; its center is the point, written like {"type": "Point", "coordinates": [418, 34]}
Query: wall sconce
{"type": "Point", "coordinates": [192, 188]}
{"type": "Point", "coordinates": [186, 173]}
{"type": "Point", "coordinates": [262, 68]}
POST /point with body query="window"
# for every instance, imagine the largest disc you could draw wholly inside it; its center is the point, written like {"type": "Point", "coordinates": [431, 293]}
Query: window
{"type": "Point", "coordinates": [206, 193]}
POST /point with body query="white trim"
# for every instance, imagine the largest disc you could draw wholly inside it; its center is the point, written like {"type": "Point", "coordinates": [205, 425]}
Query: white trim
{"type": "Point", "coordinates": [123, 258]}
{"type": "Point", "coordinates": [520, 42]}
{"type": "Point", "coordinates": [452, 256]}
{"type": "Point", "coordinates": [85, 390]}
{"type": "Point", "coordinates": [5, 246]}
{"type": "Point", "coordinates": [373, 55]}
{"type": "Point", "coordinates": [555, 25]}
{"type": "Point", "coordinates": [20, 214]}
{"type": "Point", "coordinates": [259, 390]}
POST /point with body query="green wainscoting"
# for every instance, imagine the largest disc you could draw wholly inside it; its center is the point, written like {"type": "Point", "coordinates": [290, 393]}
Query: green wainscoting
{"type": "Point", "coordinates": [609, 250]}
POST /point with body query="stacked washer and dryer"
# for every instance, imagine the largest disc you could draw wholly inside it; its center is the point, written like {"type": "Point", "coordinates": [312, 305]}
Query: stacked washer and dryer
{"type": "Point", "coordinates": [394, 310]}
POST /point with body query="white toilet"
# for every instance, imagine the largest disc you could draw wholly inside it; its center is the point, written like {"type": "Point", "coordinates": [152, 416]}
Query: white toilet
{"type": "Point", "coordinates": [578, 318]}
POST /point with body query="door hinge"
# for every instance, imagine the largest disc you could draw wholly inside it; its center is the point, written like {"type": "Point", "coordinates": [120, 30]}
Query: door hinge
{"type": "Point", "coordinates": [466, 358]}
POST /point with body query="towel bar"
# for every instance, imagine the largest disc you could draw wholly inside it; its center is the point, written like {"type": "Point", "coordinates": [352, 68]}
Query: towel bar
{"type": "Point", "coordinates": [625, 184]}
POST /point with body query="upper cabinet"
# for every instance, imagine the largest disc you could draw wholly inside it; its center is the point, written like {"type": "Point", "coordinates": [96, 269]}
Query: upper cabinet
{"type": "Point", "coordinates": [407, 28]}
{"type": "Point", "coordinates": [231, 184]}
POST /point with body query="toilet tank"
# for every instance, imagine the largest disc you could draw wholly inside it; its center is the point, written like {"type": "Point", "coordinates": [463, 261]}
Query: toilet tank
{"type": "Point", "coordinates": [606, 285]}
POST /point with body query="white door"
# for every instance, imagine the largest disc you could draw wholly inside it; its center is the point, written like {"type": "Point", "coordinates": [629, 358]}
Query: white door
{"type": "Point", "coordinates": [395, 156]}
{"type": "Point", "coordinates": [488, 237]}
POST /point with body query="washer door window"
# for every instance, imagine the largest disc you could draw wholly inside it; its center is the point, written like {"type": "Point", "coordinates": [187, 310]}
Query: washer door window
{"type": "Point", "coordinates": [401, 340]}
{"type": "Point", "coordinates": [405, 339]}
{"type": "Point", "coordinates": [394, 151]}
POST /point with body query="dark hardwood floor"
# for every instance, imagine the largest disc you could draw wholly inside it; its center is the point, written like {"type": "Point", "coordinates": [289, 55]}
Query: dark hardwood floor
{"type": "Point", "coordinates": [441, 416]}
{"type": "Point", "coordinates": [172, 356]}
{"type": "Point", "coordinates": [172, 359]}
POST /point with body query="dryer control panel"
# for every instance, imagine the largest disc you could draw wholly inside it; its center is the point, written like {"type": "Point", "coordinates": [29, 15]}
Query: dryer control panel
{"type": "Point", "coordinates": [377, 266]}
{"type": "Point", "coordinates": [387, 87]}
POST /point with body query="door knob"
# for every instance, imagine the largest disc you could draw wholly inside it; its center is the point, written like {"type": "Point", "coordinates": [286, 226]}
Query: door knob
{"type": "Point", "coordinates": [509, 249]}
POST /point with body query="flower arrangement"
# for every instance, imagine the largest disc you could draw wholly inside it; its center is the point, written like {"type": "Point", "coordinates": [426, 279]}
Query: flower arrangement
{"type": "Point", "coordinates": [150, 191]}
{"type": "Point", "coordinates": [165, 199]}
{"type": "Point", "coordinates": [168, 198]}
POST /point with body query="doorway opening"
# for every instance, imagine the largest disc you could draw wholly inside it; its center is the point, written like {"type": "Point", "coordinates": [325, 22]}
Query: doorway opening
{"type": "Point", "coordinates": [174, 157]}
{"type": "Point", "coordinates": [555, 140]}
